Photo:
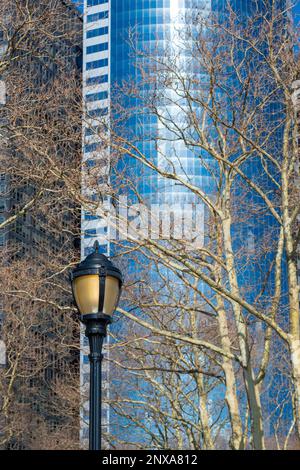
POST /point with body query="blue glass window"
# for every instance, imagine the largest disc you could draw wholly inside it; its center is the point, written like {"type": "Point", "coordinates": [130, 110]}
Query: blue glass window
{"type": "Point", "coordinates": [92, 3]}
{"type": "Point", "coordinates": [90, 163]}
{"type": "Point", "coordinates": [97, 80]}
{"type": "Point", "coordinates": [96, 64]}
{"type": "Point", "coordinates": [97, 48]}
{"type": "Point", "coordinates": [97, 16]}
{"type": "Point", "coordinates": [86, 359]}
{"type": "Point", "coordinates": [97, 32]}
{"type": "Point", "coordinates": [101, 95]}
{"type": "Point", "coordinates": [98, 112]}
{"type": "Point", "coordinates": [92, 130]}
{"type": "Point", "coordinates": [103, 249]}
{"type": "Point", "coordinates": [90, 232]}
{"type": "Point", "coordinates": [89, 216]}
{"type": "Point", "coordinates": [91, 148]}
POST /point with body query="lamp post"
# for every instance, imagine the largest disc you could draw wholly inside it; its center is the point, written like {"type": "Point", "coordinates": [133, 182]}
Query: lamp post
{"type": "Point", "coordinates": [96, 285]}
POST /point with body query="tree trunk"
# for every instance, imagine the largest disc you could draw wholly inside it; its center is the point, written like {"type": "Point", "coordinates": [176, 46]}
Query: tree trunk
{"type": "Point", "coordinates": [252, 389]}
{"type": "Point", "coordinates": [236, 441]}
{"type": "Point", "coordinates": [204, 415]}
{"type": "Point", "coordinates": [208, 443]}
{"type": "Point", "coordinates": [254, 408]}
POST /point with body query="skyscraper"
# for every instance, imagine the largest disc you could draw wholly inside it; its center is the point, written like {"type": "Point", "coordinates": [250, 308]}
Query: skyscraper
{"type": "Point", "coordinates": [110, 60]}
{"type": "Point", "coordinates": [30, 77]}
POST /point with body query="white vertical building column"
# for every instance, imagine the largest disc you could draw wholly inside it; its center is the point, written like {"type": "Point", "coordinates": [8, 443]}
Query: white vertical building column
{"type": "Point", "coordinates": [96, 91]}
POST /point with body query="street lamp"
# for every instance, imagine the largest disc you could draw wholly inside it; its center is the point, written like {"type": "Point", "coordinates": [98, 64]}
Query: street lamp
{"type": "Point", "coordinates": [96, 286]}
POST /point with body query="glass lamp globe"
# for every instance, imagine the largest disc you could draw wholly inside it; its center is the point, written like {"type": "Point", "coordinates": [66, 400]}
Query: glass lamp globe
{"type": "Point", "coordinates": [96, 285]}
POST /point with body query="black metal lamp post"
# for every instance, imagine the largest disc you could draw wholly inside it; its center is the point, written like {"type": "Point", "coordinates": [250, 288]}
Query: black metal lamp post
{"type": "Point", "coordinates": [96, 286]}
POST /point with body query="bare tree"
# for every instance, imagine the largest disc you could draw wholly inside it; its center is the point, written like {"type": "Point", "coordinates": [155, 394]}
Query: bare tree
{"type": "Point", "coordinates": [211, 336]}
{"type": "Point", "coordinates": [222, 92]}
{"type": "Point", "coordinates": [40, 160]}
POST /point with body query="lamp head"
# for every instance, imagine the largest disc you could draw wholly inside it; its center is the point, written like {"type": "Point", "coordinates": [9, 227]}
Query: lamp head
{"type": "Point", "coordinates": [96, 284]}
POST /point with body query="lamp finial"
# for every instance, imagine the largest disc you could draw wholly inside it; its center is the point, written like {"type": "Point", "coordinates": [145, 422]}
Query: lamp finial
{"type": "Point", "coordinates": [96, 246]}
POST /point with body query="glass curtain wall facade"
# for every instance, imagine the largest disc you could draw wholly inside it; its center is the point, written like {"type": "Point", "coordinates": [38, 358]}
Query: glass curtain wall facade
{"type": "Point", "coordinates": [151, 25]}
{"type": "Point", "coordinates": [255, 271]}
{"type": "Point", "coordinates": [108, 60]}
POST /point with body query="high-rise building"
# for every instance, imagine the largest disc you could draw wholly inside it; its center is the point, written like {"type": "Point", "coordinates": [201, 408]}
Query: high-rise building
{"type": "Point", "coordinates": [36, 68]}
{"type": "Point", "coordinates": [96, 87]}
{"type": "Point", "coordinates": [108, 60]}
